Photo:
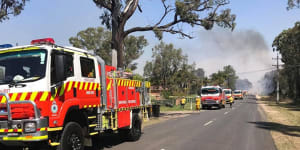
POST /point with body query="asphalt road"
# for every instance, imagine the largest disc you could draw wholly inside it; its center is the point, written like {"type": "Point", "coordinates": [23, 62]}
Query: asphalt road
{"type": "Point", "coordinates": [227, 129]}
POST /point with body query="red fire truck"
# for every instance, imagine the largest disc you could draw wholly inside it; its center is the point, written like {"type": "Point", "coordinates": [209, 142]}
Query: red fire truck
{"type": "Point", "coordinates": [212, 96]}
{"type": "Point", "coordinates": [63, 96]}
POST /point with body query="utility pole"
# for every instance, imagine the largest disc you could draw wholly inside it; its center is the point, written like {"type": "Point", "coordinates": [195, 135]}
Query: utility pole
{"type": "Point", "coordinates": [277, 67]}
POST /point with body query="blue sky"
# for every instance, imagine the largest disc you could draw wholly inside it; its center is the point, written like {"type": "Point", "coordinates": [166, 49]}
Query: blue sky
{"type": "Point", "coordinates": [62, 19]}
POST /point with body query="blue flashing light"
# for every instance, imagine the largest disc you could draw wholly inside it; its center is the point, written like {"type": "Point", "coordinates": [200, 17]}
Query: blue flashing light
{"type": "Point", "coordinates": [6, 46]}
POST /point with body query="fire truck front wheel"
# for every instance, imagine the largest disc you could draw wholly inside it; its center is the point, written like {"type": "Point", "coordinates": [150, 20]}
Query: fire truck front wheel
{"type": "Point", "coordinates": [72, 137]}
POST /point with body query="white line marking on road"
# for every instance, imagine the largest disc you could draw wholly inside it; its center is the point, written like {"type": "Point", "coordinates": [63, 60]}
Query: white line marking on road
{"type": "Point", "coordinates": [209, 122]}
{"type": "Point", "coordinates": [162, 149]}
{"type": "Point", "coordinates": [226, 113]}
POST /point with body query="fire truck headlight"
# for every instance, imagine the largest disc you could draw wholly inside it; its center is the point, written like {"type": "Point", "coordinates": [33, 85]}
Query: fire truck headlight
{"type": "Point", "coordinates": [217, 102]}
{"type": "Point", "coordinates": [30, 127]}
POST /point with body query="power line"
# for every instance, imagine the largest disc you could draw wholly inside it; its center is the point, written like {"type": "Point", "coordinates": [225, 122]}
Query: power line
{"type": "Point", "coordinates": [254, 71]}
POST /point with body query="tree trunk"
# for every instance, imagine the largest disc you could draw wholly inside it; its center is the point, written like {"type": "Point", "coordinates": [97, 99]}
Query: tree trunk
{"type": "Point", "coordinates": [118, 32]}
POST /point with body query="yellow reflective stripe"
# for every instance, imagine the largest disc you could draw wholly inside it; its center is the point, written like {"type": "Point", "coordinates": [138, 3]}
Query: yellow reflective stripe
{"type": "Point", "coordinates": [91, 86]}
{"type": "Point", "coordinates": [85, 106]}
{"type": "Point", "coordinates": [54, 95]}
{"type": "Point", "coordinates": [99, 86]}
{"type": "Point", "coordinates": [33, 96]}
{"type": "Point", "coordinates": [62, 90]}
{"type": "Point", "coordinates": [109, 85]}
{"type": "Point", "coordinates": [86, 86]}
{"type": "Point", "coordinates": [54, 144]}
{"type": "Point", "coordinates": [19, 49]}
{"type": "Point", "coordinates": [42, 129]}
{"type": "Point", "coordinates": [26, 138]}
{"type": "Point", "coordinates": [81, 85]}
{"type": "Point", "coordinates": [92, 125]}
{"type": "Point", "coordinates": [90, 106]}
{"type": "Point", "coordinates": [23, 96]}
{"type": "Point", "coordinates": [76, 84]}
{"type": "Point", "coordinates": [13, 97]}
{"type": "Point", "coordinates": [2, 130]}
{"type": "Point", "coordinates": [10, 130]}
{"type": "Point", "coordinates": [70, 86]}
{"type": "Point", "coordinates": [119, 82]}
{"type": "Point", "coordinates": [44, 96]}
{"type": "Point", "coordinates": [122, 82]}
{"type": "Point", "coordinates": [95, 86]}
{"type": "Point", "coordinates": [94, 133]}
{"type": "Point", "coordinates": [92, 117]}
{"type": "Point", "coordinates": [3, 100]}
{"type": "Point", "coordinates": [55, 129]}
{"type": "Point", "coordinates": [72, 51]}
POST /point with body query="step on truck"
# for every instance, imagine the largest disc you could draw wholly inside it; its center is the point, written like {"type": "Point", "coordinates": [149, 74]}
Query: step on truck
{"type": "Point", "coordinates": [61, 97]}
{"type": "Point", "coordinates": [212, 96]}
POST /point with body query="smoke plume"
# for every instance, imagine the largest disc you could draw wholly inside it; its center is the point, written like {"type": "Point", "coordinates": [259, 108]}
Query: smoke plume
{"type": "Point", "coordinates": [245, 50]}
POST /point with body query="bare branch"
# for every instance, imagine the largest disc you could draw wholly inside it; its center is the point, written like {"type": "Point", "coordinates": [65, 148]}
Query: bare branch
{"type": "Point", "coordinates": [172, 31]}
{"type": "Point", "coordinates": [129, 9]}
{"type": "Point", "coordinates": [140, 9]}
{"type": "Point", "coordinates": [166, 11]}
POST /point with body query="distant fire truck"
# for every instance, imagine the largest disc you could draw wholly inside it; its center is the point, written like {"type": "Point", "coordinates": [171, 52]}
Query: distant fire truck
{"type": "Point", "coordinates": [212, 96]}
{"type": "Point", "coordinates": [62, 96]}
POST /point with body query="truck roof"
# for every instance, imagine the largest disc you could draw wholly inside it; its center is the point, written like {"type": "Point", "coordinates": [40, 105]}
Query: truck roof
{"type": "Point", "coordinates": [67, 48]}
{"type": "Point", "coordinates": [210, 87]}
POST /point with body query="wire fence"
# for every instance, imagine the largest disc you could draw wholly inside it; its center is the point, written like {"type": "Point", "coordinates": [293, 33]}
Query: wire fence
{"type": "Point", "coordinates": [172, 102]}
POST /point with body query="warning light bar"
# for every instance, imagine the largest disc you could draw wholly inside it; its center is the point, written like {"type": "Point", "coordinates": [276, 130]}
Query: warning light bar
{"type": "Point", "coordinates": [5, 46]}
{"type": "Point", "coordinates": [49, 41]}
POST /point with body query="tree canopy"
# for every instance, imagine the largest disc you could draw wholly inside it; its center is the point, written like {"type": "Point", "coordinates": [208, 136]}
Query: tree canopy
{"type": "Point", "coordinates": [226, 77]}
{"type": "Point", "coordinates": [11, 7]}
{"type": "Point", "coordinates": [204, 13]}
{"type": "Point", "coordinates": [169, 69]}
{"type": "Point", "coordinates": [99, 39]}
{"type": "Point", "coordinates": [287, 43]}
{"type": "Point", "coordinates": [293, 4]}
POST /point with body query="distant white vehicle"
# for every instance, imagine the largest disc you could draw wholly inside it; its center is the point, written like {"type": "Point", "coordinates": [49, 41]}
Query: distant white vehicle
{"type": "Point", "coordinates": [238, 94]}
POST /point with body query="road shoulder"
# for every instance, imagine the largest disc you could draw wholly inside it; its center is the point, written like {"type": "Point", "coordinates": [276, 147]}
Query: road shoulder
{"type": "Point", "coordinates": [283, 123]}
{"type": "Point", "coordinates": [167, 115]}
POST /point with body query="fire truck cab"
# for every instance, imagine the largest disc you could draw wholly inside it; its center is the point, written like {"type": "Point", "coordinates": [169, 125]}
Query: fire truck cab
{"type": "Point", "coordinates": [62, 96]}
{"type": "Point", "coordinates": [238, 94]}
{"type": "Point", "coordinates": [212, 96]}
{"type": "Point", "coordinates": [228, 94]}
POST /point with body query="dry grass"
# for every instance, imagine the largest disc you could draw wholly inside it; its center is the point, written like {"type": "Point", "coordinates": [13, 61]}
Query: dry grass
{"type": "Point", "coordinates": [285, 120]}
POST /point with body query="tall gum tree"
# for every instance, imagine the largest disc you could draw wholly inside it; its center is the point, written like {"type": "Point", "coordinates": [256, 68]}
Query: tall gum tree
{"type": "Point", "coordinates": [203, 13]}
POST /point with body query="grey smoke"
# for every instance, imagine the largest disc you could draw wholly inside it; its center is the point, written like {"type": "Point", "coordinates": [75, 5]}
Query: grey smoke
{"type": "Point", "coordinates": [245, 50]}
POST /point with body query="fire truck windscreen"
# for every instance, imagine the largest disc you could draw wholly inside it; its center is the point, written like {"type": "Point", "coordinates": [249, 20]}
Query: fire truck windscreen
{"type": "Point", "coordinates": [227, 91]}
{"type": "Point", "coordinates": [22, 66]}
{"type": "Point", "coordinates": [237, 92]}
{"type": "Point", "coordinates": [205, 91]}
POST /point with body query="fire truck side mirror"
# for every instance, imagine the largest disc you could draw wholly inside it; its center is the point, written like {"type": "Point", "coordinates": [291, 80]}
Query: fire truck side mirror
{"type": "Point", "coordinates": [60, 67]}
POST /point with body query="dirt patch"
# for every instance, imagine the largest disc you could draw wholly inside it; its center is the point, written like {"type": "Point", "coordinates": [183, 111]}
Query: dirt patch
{"type": "Point", "coordinates": [283, 122]}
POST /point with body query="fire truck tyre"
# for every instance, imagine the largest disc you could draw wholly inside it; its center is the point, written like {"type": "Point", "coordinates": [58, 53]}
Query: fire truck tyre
{"type": "Point", "coordinates": [136, 129]}
{"type": "Point", "coordinates": [135, 132]}
{"type": "Point", "coordinates": [72, 137]}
